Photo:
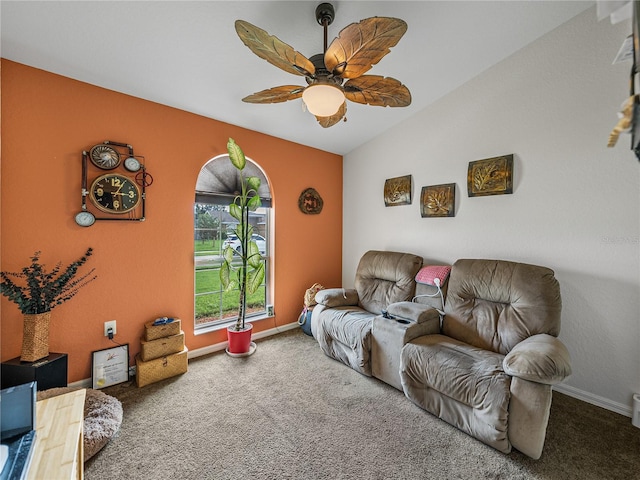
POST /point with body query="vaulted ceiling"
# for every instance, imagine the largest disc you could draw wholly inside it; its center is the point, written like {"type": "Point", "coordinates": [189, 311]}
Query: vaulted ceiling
{"type": "Point", "coordinates": [187, 54]}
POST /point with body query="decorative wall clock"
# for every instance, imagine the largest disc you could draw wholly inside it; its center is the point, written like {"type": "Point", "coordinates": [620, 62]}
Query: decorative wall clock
{"type": "Point", "coordinates": [114, 193]}
{"type": "Point", "coordinates": [120, 195]}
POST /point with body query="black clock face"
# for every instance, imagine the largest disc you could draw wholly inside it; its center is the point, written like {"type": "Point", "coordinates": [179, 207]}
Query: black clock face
{"type": "Point", "coordinates": [114, 193]}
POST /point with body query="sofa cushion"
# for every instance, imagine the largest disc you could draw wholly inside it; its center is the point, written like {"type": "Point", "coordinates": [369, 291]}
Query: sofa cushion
{"type": "Point", "coordinates": [344, 333]}
{"type": "Point", "coordinates": [467, 374]}
{"type": "Point", "coordinates": [383, 278]}
{"type": "Point", "coordinates": [459, 383]}
{"type": "Point", "coordinates": [494, 304]}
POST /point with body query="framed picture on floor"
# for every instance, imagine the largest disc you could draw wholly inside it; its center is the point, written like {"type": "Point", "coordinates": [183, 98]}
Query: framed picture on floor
{"type": "Point", "coordinates": [110, 366]}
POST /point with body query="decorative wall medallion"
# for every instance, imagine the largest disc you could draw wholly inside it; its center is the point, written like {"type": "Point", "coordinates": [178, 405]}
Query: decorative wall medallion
{"type": "Point", "coordinates": [492, 176]}
{"type": "Point", "coordinates": [310, 202]}
{"type": "Point", "coordinates": [397, 191]}
{"type": "Point", "coordinates": [438, 200]}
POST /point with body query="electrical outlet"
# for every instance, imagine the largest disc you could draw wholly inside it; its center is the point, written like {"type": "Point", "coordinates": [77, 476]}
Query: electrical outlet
{"type": "Point", "coordinates": [108, 325]}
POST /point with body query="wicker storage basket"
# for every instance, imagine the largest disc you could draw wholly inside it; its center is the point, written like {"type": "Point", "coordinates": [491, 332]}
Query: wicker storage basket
{"type": "Point", "coordinates": [35, 337]}
{"type": "Point", "coordinates": [161, 347]}
{"type": "Point", "coordinates": [152, 332]}
{"type": "Point", "coordinates": [160, 368]}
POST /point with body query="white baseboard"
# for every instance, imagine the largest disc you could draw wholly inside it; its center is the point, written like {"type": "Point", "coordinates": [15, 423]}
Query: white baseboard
{"type": "Point", "coordinates": [594, 399]}
{"type": "Point", "coordinates": [566, 389]}
{"type": "Point", "coordinates": [256, 336]}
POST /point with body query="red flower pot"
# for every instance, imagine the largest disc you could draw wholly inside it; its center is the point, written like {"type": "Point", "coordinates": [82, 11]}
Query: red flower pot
{"type": "Point", "coordinates": [239, 341]}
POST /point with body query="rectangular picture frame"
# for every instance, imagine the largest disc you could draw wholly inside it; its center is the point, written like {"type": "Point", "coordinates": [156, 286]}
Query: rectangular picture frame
{"type": "Point", "coordinates": [397, 191]}
{"type": "Point", "coordinates": [491, 176]}
{"type": "Point", "coordinates": [110, 366]}
{"type": "Point", "coordinates": [438, 201]}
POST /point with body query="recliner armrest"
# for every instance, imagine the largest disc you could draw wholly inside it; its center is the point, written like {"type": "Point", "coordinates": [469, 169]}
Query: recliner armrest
{"type": "Point", "coordinates": [337, 297]}
{"type": "Point", "coordinates": [540, 358]}
{"type": "Point", "coordinates": [414, 312]}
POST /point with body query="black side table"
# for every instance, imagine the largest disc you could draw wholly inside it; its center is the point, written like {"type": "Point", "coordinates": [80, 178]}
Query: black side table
{"type": "Point", "coordinates": [49, 372]}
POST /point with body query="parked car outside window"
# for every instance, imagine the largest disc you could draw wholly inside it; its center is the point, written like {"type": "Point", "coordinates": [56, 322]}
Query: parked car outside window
{"type": "Point", "coordinates": [234, 242]}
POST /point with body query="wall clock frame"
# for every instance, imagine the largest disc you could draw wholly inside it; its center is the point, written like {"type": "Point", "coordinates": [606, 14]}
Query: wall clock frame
{"type": "Point", "coordinates": [117, 180]}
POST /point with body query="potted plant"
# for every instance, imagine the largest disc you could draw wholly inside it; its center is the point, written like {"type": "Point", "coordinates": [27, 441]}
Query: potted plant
{"type": "Point", "coordinates": [42, 292]}
{"type": "Point", "coordinates": [245, 273]}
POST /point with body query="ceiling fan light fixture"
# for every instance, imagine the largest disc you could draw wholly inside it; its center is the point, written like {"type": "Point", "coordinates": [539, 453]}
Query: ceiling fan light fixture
{"type": "Point", "coordinates": [323, 100]}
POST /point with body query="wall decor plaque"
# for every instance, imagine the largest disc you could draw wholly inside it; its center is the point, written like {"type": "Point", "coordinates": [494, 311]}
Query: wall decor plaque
{"type": "Point", "coordinates": [310, 202]}
{"type": "Point", "coordinates": [491, 176]}
{"type": "Point", "coordinates": [397, 191]}
{"type": "Point", "coordinates": [438, 200]}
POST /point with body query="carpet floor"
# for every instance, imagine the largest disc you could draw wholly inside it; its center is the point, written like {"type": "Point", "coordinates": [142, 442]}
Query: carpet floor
{"type": "Point", "coordinates": [290, 412]}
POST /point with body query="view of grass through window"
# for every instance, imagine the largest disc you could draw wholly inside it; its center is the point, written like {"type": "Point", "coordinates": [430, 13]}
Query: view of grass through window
{"type": "Point", "coordinates": [213, 231]}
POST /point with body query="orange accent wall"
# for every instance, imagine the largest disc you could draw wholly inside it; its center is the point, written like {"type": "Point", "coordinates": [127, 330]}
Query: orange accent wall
{"type": "Point", "coordinates": [145, 269]}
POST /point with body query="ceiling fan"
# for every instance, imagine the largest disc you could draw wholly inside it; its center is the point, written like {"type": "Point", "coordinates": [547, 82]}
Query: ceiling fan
{"type": "Point", "coordinates": [357, 48]}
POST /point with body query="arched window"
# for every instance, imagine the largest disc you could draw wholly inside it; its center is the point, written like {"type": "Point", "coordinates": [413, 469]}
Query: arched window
{"type": "Point", "coordinates": [217, 185]}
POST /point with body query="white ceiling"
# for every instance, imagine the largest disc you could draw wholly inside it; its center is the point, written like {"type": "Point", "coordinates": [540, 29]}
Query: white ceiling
{"type": "Point", "coordinates": [186, 54]}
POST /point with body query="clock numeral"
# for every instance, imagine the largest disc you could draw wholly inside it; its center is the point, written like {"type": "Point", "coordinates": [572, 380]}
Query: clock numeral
{"type": "Point", "coordinates": [99, 192]}
{"type": "Point", "coordinates": [116, 204]}
{"type": "Point", "coordinates": [115, 181]}
{"type": "Point", "coordinates": [132, 194]}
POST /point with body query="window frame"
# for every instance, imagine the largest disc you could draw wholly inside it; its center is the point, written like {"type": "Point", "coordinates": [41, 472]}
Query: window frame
{"type": "Point", "coordinates": [222, 200]}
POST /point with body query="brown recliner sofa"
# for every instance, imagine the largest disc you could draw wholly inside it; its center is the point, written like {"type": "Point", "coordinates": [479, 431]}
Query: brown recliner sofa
{"type": "Point", "coordinates": [486, 366]}
{"type": "Point", "coordinates": [490, 370]}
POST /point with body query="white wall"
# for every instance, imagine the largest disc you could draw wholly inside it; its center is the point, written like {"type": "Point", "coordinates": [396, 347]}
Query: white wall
{"type": "Point", "coordinates": [575, 202]}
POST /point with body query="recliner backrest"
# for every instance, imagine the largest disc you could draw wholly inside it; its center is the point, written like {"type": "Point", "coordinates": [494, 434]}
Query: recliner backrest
{"type": "Point", "coordinates": [385, 277]}
{"type": "Point", "coordinates": [495, 304]}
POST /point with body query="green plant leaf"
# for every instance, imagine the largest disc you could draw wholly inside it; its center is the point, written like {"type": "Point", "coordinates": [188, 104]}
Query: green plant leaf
{"type": "Point", "coordinates": [236, 155]}
{"type": "Point", "coordinates": [254, 203]}
{"type": "Point", "coordinates": [253, 256]}
{"type": "Point", "coordinates": [225, 275]}
{"type": "Point", "coordinates": [253, 183]}
{"type": "Point", "coordinates": [235, 211]}
{"type": "Point", "coordinates": [255, 278]}
{"type": "Point", "coordinates": [227, 254]}
{"type": "Point", "coordinates": [239, 231]}
{"type": "Point", "coordinates": [44, 290]}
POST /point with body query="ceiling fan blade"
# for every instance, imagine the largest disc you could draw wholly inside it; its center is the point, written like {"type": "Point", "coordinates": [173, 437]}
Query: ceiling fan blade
{"type": "Point", "coordinates": [361, 45]}
{"type": "Point", "coordinates": [276, 94]}
{"type": "Point", "coordinates": [274, 50]}
{"type": "Point", "coordinates": [378, 91]}
{"type": "Point", "coordinates": [327, 122]}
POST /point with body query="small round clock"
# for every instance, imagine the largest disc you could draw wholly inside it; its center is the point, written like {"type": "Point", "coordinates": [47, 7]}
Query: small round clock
{"type": "Point", "coordinates": [132, 164]}
{"type": "Point", "coordinates": [104, 157]}
{"type": "Point", "coordinates": [85, 219]}
{"type": "Point", "coordinates": [113, 193]}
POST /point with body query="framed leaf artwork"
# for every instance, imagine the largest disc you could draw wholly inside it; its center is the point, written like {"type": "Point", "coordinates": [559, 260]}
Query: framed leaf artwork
{"type": "Point", "coordinates": [438, 200]}
{"type": "Point", "coordinates": [397, 191]}
{"type": "Point", "coordinates": [491, 176]}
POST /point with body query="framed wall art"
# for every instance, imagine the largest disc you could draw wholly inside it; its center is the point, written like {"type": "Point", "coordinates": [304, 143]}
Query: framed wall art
{"type": "Point", "coordinates": [438, 200]}
{"type": "Point", "coordinates": [397, 191]}
{"type": "Point", "coordinates": [110, 366]}
{"type": "Point", "coordinates": [491, 176]}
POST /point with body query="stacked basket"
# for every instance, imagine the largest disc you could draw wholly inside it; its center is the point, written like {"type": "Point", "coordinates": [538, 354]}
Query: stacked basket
{"type": "Point", "coordinates": [162, 354]}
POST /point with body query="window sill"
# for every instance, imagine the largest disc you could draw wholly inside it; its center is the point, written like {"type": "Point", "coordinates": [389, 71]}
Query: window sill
{"type": "Point", "coordinates": [223, 326]}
